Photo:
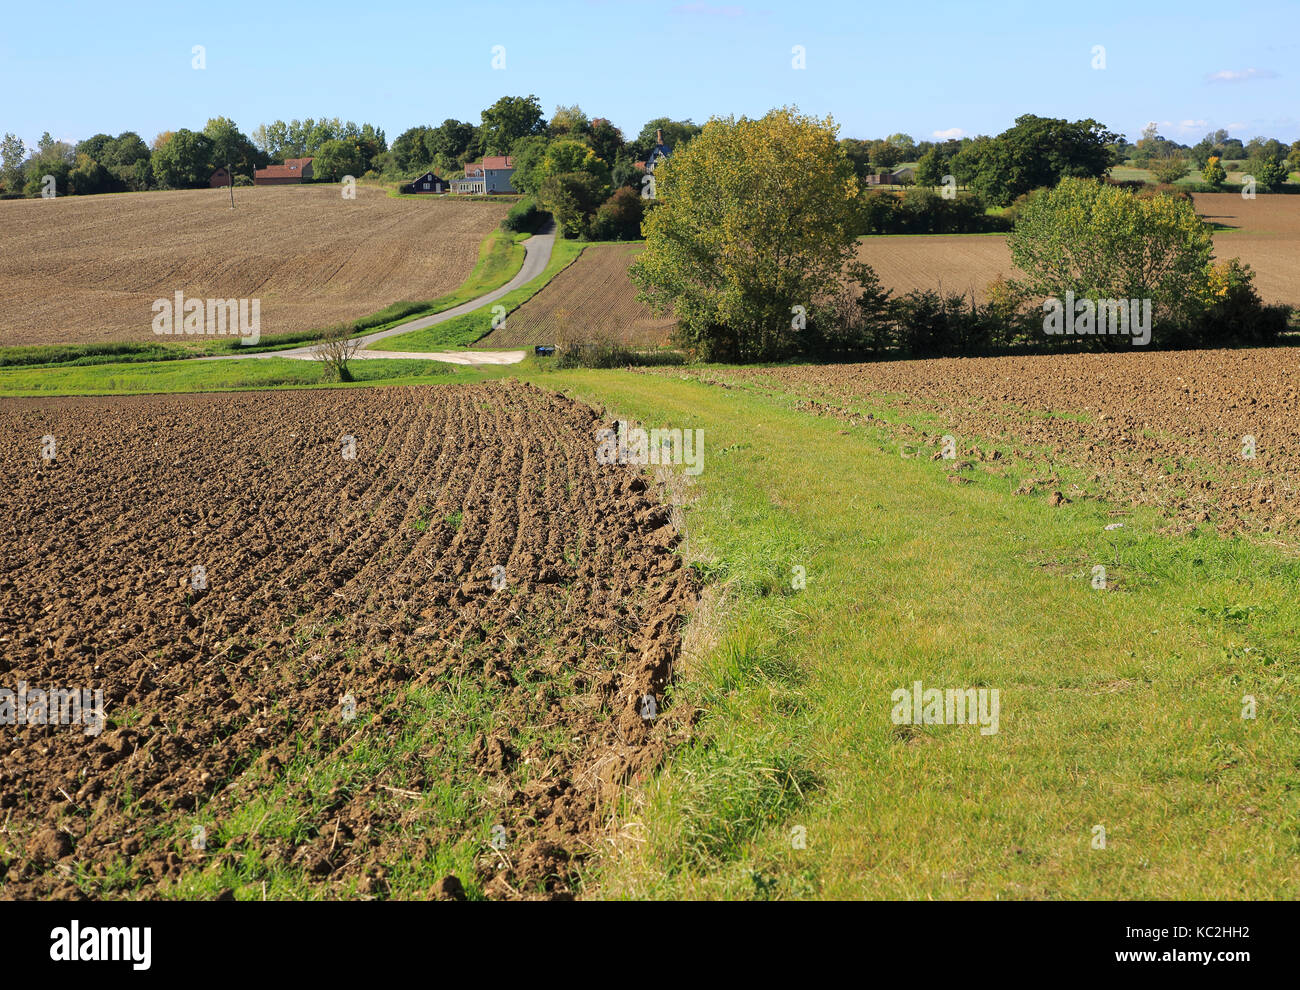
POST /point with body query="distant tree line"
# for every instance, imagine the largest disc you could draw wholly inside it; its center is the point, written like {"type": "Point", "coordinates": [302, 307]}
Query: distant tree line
{"type": "Point", "coordinates": [1268, 160]}
{"type": "Point", "coordinates": [955, 182]}
{"type": "Point", "coordinates": [184, 159]}
{"type": "Point", "coordinates": [581, 170]}
{"type": "Point", "coordinates": [576, 166]}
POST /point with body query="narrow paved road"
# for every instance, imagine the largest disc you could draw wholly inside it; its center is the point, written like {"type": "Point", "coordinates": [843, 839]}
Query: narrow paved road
{"type": "Point", "coordinates": [537, 254]}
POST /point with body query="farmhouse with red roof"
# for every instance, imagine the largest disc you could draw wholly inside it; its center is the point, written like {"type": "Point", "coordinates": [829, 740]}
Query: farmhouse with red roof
{"type": "Point", "coordinates": [293, 170]}
{"type": "Point", "coordinates": [486, 178]}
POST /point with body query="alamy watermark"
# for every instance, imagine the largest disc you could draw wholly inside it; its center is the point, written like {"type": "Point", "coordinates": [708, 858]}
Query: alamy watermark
{"type": "Point", "coordinates": [657, 446]}
{"type": "Point", "coordinates": [1088, 317]}
{"type": "Point", "coordinates": [240, 318]}
{"type": "Point", "coordinates": [56, 706]}
{"type": "Point", "coordinates": [921, 705]}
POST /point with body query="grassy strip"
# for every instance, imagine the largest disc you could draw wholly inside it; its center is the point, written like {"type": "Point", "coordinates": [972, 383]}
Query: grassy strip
{"type": "Point", "coordinates": [45, 355]}
{"type": "Point", "coordinates": [1120, 708]}
{"type": "Point", "coordinates": [464, 330]}
{"type": "Point", "coordinates": [500, 257]}
{"type": "Point", "coordinates": [221, 376]}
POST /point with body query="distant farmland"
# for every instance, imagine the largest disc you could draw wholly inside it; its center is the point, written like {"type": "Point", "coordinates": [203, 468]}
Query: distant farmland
{"type": "Point", "coordinates": [591, 300]}
{"type": "Point", "coordinates": [87, 269]}
{"type": "Point", "coordinates": [594, 298]}
{"type": "Point", "coordinates": [1265, 235]}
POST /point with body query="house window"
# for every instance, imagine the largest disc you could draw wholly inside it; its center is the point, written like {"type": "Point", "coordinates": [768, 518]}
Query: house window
{"type": "Point", "coordinates": [426, 185]}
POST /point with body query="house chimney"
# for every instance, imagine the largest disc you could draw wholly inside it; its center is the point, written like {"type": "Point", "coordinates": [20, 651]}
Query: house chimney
{"type": "Point", "coordinates": [659, 136]}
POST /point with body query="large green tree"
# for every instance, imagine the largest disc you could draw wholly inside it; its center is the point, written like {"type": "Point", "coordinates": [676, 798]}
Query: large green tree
{"type": "Point", "coordinates": [573, 198]}
{"type": "Point", "coordinates": [753, 219]}
{"type": "Point", "coordinates": [569, 121]}
{"type": "Point", "coordinates": [184, 160]}
{"type": "Point", "coordinates": [507, 120]}
{"type": "Point", "coordinates": [567, 155]}
{"type": "Point", "coordinates": [231, 146]}
{"type": "Point", "coordinates": [336, 159]}
{"type": "Point", "coordinates": [606, 141]}
{"type": "Point", "coordinates": [529, 153]}
{"type": "Point", "coordinates": [1035, 152]}
{"type": "Point", "coordinates": [931, 169]}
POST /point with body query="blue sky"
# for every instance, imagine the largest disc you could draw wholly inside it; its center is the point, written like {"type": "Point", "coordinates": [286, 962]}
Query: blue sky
{"type": "Point", "coordinates": [941, 68]}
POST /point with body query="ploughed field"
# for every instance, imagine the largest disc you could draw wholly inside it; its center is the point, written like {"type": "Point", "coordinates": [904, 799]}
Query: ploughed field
{"type": "Point", "coordinates": [414, 671]}
{"type": "Point", "coordinates": [83, 269]}
{"type": "Point", "coordinates": [1162, 428]}
{"type": "Point", "coordinates": [591, 301]}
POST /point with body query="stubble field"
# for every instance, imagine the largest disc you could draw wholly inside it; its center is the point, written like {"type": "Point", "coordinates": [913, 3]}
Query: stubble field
{"type": "Point", "coordinates": [83, 269]}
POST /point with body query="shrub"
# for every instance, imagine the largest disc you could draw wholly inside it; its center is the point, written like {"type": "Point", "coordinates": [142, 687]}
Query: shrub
{"type": "Point", "coordinates": [921, 210]}
{"type": "Point", "coordinates": [932, 325]}
{"type": "Point", "coordinates": [1233, 309]}
{"type": "Point", "coordinates": [524, 217]}
{"type": "Point", "coordinates": [1011, 215]}
{"type": "Point", "coordinates": [1170, 170]}
{"type": "Point", "coordinates": [572, 198]}
{"type": "Point", "coordinates": [619, 217]}
{"type": "Point", "coordinates": [1214, 173]}
{"type": "Point", "coordinates": [1269, 173]}
{"type": "Point", "coordinates": [880, 213]}
{"type": "Point", "coordinates": [856, 319]}
{"type": "Point", "coordinates": [335, 350]}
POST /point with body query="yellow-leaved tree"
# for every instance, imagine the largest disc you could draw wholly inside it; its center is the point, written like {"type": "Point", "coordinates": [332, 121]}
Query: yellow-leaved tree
{"type": "Point", "coordinates": [751, 227]}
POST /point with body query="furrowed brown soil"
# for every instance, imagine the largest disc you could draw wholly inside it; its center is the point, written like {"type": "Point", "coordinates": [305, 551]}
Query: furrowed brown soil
{"type": "Point", "coordinates": [83, 269]}
{"type": "Point", "coordinates": [1162, 428]}
{"type": "Point", "coordinates": [1265, 234]}
{"type": "Point", "coordinates": [352, 619]}
{"type": "Point", "coordinates": [591, 301]}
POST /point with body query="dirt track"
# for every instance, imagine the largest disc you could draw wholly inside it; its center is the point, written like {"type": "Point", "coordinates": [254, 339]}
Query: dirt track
{"type": "Point", "coordinates": [1163, 428]}
{"type": "Point", "coordinates": [325, 578]}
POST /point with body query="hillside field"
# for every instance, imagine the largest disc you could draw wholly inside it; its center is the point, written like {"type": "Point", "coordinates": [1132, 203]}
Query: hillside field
{"type": "Point", "coordinates": [590, 301]}
{"type": "Point", "coordinates": [86, 269]}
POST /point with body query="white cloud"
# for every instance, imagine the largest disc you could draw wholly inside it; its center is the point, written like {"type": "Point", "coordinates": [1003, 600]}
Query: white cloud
{"type": "Point", "coordinates": [1240, 75]}
{"type": "Point", "coordinates": [1190, 125]}
{"type": "Point", "coordinates": [951, 134]}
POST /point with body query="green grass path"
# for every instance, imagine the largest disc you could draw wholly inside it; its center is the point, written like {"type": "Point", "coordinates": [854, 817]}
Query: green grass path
{"type": "Point", "coordinates": [1119, 708]}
